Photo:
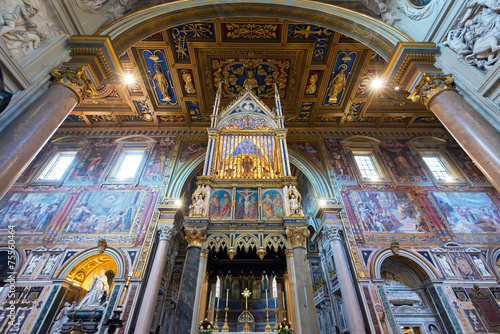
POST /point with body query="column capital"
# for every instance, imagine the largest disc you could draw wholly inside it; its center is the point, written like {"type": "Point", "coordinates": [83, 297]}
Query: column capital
{"type": "Point", "coordinates": [430, 85]}
{"type": "Point", "coordinates": [332, 232]}
{"type": "Point", "coordinates": [289, 252]}
{"type": "Point", "coordinates": [297, 236]}
{"type": "Point", "coordinates": [75, 79]}
{"type": "Point", "coordinates": [195, 236]}
{"type": "Point", "coordinates": [167, 232]}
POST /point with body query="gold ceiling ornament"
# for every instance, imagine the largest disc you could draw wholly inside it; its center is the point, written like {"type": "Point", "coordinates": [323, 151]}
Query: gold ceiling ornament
{"type": "Point", "coordinates": [101, 246]}
{"type": "Point", "coordinates": [337, 84]}
{"type": "Point", "coordinates": [395, 247]}
{"type": "Point", "coordinates": [251, 30]}
{"type": "Point", "coordinates": [76, 79]}
{"type": "Point", "coordinates": [247, 123]}
{"type": "Point", "coordinates": [297, 236]}
{"type": "Point", "coordinates": [431, 85]}
{"type": "Point", "coordinates": [195, 237]}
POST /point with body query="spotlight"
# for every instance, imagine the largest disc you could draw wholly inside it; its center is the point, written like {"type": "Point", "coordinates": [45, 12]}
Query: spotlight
{"type": "Point", "coordinates": [178, 203]}
{"type": "Point", "coordinates": [377, 83]}
{"type": "Point", "coordinates": [322, 202]}
{"type": "Point", "coordinates": [128, 79]}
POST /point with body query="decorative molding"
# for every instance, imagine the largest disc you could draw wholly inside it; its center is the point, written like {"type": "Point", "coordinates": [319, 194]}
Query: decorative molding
{"type": "Point", "coordinates": [167, 232]}
{"type": "Point", "coordinates": [195, 236]}
{"type": "Point", "coordinates": [297, 236]}
{"type": "Point", "coordinates": [76, 80]}
{"type": "Point", "coordinates": [431, 85]}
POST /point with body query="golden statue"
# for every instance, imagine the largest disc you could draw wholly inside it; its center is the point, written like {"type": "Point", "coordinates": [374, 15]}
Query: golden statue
{"type": "Point", "coordinates": [337, 84]}
{"type": "Point", "coordinates": [311, 87]}
{"type": "Point", "coordinates": [162, 83]}
{"type": "Point", "coordinates": [250, 81]}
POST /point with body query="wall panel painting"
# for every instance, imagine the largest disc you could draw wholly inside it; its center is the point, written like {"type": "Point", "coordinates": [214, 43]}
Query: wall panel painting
{"type": "Point", "coordinates": [272, 204]}
{"type": "Point", "coordinates": [30, 212]}
{"type": "Point", "coordinates": [402, 161]}
{"type": "Point", "coordinates": [188, 150]}
{"type": "Point", "coordinates": [468, 212]}
{"type": "Point", "coordinates": [158, 160]}
{"type": "Point", "coordinates": [219, 205]}
{"type": "Point", "coordinates": [310, 149]}
{"type": "Point", "coordinates": [246, 204]}
{"type": "Point", "coordinates": [338, 160]}
{"type": "Point", "coordinates": [109, 212]}
{"type": "Point", "coordinates": [92, 163]}
{"type": "Point", "coordinates": [387, 212]}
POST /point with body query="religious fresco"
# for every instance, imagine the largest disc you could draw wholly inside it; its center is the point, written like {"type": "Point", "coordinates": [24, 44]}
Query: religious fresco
{"type": "Point", "coordinates": [468, 212]}
{"type": "Point", "coordinates": [309, 149]}
{"type": "Point", "coordinates": [246, 204]}
{"type": "Point", "coordinates": [30, 212]}
{"type": "Point", "coordinates": [403, 163]}
{"type": "Point", "coordinates": [305, 188]}
{"type": "Point", "coordinates": [188, 150]}
{"type": "Point", "coordinates": [465, 163]}
{"type": "Point", "coordinates": [338, 160]}
{"type": "Point", "coordinates": [93, 161]}
{"type": "Point", "coordinates": [36, 164]}
{"type": "Point", "coordinates": [387, 212]}
{"type": "Point", "coordinates": [107, 212]}
{"type": "Point", "coordinates": [272, 204]}
{"type": "Point", "coordinates": [158, 160]}
{"type": "Point", "coordinates": [220, 204]}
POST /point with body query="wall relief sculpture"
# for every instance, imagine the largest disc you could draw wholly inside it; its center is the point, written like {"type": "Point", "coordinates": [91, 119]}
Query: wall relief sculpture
{"type": "Point", "coordinates": [91, 6]}
{"type": "Point", "coordinates": [25, 25]}
{"type": "Point", "coordinates": [423, 11]}
{"type": "Point", "coordinates": [476, 37]}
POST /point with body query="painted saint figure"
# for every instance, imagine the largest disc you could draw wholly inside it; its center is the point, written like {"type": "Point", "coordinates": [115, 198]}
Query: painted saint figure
{"type": "Point", "coordinates": [253, 206]}
{"type": "Point", "coordinates": [240, 209]}
{"type": "Point", "coordinates": [225, 206]}
{"type": "Point", "coordinates": [214, 206]}
{"type": "Point", "coordinates": [267, 207]}
{"type": "Point", "coordinates": [279, 209]}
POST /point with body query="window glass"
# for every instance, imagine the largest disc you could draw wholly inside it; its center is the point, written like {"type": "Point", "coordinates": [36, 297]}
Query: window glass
{"type": "Point", "coordinates": [129, 165]}
{"type": "Point", "coordinates": [366, 166]}
{"type": "Point", "coordinates": [57, 167]}
{"type": "Point", "coordinates": [436, 167]}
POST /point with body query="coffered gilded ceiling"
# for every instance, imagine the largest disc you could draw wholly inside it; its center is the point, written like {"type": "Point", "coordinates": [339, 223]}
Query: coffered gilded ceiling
{"type": "Point", "coordinates": [323, 78]}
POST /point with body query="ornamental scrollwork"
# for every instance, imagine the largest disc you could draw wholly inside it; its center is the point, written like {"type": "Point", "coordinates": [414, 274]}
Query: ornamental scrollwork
{"type": "Point", "coordinates": [76, 80]}
{"type": "Point", "coordinates": [430, 85]}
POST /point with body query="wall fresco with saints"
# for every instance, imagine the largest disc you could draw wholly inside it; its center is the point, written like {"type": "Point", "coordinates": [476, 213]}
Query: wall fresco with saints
{"type": "Point", "coordinates": [468, 212]}
{"type": "Point", "coordinates": [387, 212]}
{"type": "Point", "coordinates": [402, 162]}
{"type": "Point", "coordinates": [220, 204]}
{"type": "Point", "coordinates": [272, 204]}
{"type": "Point", "coordinates": [246, 204]}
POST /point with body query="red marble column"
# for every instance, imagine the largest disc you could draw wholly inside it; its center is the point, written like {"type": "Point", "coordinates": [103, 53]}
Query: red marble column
{"type": "Point", "coordinates": [29, 132]}
{"type": "Point", "coordinates": [479, 139]}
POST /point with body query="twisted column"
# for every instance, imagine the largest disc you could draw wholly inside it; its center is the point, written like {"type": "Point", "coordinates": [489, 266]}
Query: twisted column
{"type": "Point", "coordinates": [353, 312]}
{"type": "Point", "coordinates": [167, 232]}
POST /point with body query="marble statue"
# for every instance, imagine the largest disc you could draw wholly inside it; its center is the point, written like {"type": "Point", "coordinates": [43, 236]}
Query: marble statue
{"type": "Point", "coordinates": [188, 82]}
{"type": "Point", "coordinates": [311, 87]}
{"type": "Point", "coordinates": [32, 265]}
{"type": "Point", "coordinates": [477, 36]}
{"type": "Point", "coordinates": [47, 268]}
{"type": "Point", "coordinates": [338, 83]}
{"type": "Point", "coordinates": [62, 317]}
{"type": "Point", "coordinates": [480, 265]}
{"type": "Point", "coordinates": [445, 265]}
{"type": "Point", "coordinates": [118, 9]}
{"type": "Point", "coordinates": [162, 83]}
{"type": "Point", "coordinates": [91, 6]}
{"type": "Point", "coordinates": [294, 199]}
{"type": "Point", "coordinates": [198, 199]}
{"type": "Point", "coordinates": [98, 291]}
{"type": "Point", "coordinates": [433, 329]}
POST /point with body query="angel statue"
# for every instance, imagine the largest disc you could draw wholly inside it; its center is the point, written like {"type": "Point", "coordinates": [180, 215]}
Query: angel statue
{"type": "Point", "coordinates": [98, 291]}
{"type": "Point", "coordinates": [294, 199]}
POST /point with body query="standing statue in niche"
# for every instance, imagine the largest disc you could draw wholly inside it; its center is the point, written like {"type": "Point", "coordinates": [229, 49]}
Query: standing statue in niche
{"type": "Point", "coordinates": [294, 199]}
{"type": "Point", "coordinates": [480, 265]}
{"type": "Point", "coordinates": [251, 81]}
{"type": "Point", "coordinates": [311, 87]}
{"type": "Point", "coordinates": [445, 265]}
{"type": "Point", "coordinates": [198, 199]}
{"type": "Point", "coordinates": [98, 291]}
{"type": "Point", "coordinates": [338, 83]}
{"type": "Point", "coordinates": [188, 82]}
{"type": "Point", "coordinates": [161, 83]}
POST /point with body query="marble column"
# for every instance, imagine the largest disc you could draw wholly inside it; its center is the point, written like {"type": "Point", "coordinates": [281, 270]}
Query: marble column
{"type": "Point", "coordinates": [289, 284]}
{"type": "Point", "coordinates": [30, 131]}
{"type": "Point", "coordinates": [200, 300]}
{"type": "Point", "coordinates": [306, 310]}
{"type": "Point", "coordinates": [148, 305]}
{"type": "Point", "coordinates": [189, 281]}
{"type": "Point", "coordinates": [478, 138]}
{"type": "Point", "coordinates": [349, 296]}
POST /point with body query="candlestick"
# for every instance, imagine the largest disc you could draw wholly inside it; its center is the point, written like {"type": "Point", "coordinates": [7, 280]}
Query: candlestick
{"type": "Point", "coordinates": [268, 326]}
{"type": "Point", "coordinates": [225, 327]}
{"type": "Point", "coordinates": [283, 295]}
{"type": "Point", "coordinates": [227, 296]}
{"type": "Point", "coordinates": [216, 327]}
{"type": "Point", "coordinates": [276, 327]}
{"type": "Point", "coordinates": [267, 302]}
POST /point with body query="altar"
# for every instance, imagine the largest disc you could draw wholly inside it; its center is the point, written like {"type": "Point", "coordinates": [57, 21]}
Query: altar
{"type": "Point", "coordinates": [242, 332]}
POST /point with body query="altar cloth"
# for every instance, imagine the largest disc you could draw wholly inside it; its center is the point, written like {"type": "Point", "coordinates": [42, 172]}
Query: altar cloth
{"type": "Point", "coordinates": [243, 332]}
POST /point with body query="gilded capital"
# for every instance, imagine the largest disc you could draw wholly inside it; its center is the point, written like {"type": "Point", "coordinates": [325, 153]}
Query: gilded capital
{"type": "Point", "coordinates": [431, 85]}
{"type": "Point", "coordinates": [75, 79]}
{"type": "Point", "coordinates": [297, 236]}
{"type": "Point", "coordinates": [195, 237]}
{"type": "Point", "coordinates": [167, 232]}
